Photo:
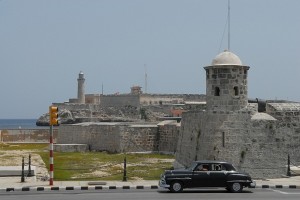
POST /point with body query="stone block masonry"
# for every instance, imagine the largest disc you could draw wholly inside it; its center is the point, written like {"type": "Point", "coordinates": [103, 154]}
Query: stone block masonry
{"type": "Point", "coordinates": [121, 137]}
{"type": "Point", "coordinates": [27, 135]}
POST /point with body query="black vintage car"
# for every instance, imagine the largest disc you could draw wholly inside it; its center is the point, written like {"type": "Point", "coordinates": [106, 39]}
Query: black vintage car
{"type": "Point", "coordinates": [206, 174]}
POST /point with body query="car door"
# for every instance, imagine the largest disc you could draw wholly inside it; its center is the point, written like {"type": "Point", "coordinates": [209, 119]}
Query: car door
{"type": "Point", "coordinates": [201, 177]}
{"type": "Point", "coordinates": [218, 175]}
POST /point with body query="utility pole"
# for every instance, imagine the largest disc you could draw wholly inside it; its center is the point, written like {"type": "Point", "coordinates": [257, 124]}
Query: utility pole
{"type": "Point", "coordinates": [146, 78]}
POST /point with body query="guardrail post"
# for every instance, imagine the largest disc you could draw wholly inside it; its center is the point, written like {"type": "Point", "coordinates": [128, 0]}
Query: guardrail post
{"type": "Point", "coordinates": [22, 175]}
{"type": "Point", "coordinates": [29, 165]}
{"type": "Point", "coordinates": [125, 172]}
{"type": "Point", "coordinates": [288, 166]}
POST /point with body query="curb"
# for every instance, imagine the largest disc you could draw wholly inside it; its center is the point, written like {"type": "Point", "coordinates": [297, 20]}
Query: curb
{"type": "Point", "coordinates": [65, 188]}
{"type": "Point", "coordinates": [277, 186]}
{"type": "Point", "coordinates": [125, 187]}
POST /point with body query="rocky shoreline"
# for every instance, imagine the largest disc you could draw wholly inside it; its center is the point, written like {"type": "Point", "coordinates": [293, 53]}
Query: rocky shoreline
{"type": "Point", "coordinates": [109, 115]}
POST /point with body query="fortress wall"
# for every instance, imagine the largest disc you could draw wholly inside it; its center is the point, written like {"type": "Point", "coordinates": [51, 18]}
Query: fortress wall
{"type": "Point", "coordinates": [120, 137]}
{"type": "Point", "coordinates": [168, 137]}
{"type": "Point", "coordinates": [139, 138]}
{"type": "Point", "coordinates": [73, 134]}
{"type": "Point", "coordinates": [77, 107]}
{"type": "Point", "coordinates": [157, 99]}
{"type": "Point", "coordinates": [259, 147]}
{"type": "Point", "coordinates": [266, 146]}
{"type": "Point", "coordinates": [27, 135]}
{"type": "Point", "coordinates": [189, 137]}
{"type": "Point", "coordinates": [159, 108]}
{"type": "Point", "coordinates": [119, 100]}
{"type": "Point", "coordinates": [288, 112]}
{"type": "Point", "coordinates": [250, 146]}
{"type": "Point", "coordinates": [262, 154]}
{"type": "Point", "coordinates": [104, 137]}
{"type": "Point", "coordinates": [160, 99]}
{"type": "Point", "coordinates": [194, 97]}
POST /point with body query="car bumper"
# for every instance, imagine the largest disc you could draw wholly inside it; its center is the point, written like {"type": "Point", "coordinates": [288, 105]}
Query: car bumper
{"type": "Point", "coordinates": [253, 184]}
{"type": "Point", "coordinates": [162, 183]}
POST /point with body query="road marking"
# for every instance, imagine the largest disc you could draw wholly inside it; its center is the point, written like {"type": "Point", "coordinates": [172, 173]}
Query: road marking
{"type": "Point", "coordinates": [281, 192]}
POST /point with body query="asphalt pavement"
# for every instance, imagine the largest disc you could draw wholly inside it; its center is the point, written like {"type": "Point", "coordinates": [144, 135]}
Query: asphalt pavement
{"type": "Point", "coordinates": [31, 183]}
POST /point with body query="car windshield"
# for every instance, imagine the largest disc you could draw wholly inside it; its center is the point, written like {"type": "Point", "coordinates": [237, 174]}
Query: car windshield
{"type": "Point", "coordinates": [192, 167]}
{"type": "Point", "coordinates": [230, 167]}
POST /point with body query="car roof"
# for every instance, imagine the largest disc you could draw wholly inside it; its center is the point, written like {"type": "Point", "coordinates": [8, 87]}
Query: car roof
{"type": "Point", "coordinates": [211, 162]}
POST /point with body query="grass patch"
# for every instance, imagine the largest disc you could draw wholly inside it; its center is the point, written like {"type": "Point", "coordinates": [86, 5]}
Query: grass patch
{"type": "Point", "coordinates": [104, 166]}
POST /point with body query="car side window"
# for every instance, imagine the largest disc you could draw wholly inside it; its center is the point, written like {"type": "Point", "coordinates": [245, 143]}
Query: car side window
{"type": "Point", "coordinates": [217, 167]}
{"type": "Point", "coordinates": [202, 167]}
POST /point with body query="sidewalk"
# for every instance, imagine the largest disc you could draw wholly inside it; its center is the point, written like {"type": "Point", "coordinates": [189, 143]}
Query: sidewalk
{"type": "Point", "coordinates": [14, 184]}
{"type": "Point", "coordinates": [291, 182]}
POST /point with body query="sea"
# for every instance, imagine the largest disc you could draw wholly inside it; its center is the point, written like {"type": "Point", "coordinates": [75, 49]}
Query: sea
{"type": "Point", "coordinates": [18, 124]}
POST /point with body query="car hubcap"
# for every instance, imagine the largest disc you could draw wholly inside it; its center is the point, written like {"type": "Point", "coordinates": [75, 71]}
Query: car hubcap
{"type": "Point", "coordinates": [236, 186]}
{"type": "Point", "coordinates": [176, 186]}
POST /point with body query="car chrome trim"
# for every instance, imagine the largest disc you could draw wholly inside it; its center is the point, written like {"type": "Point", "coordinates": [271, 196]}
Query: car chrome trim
{"type": "Point", "coordinates": [185, 178]}
{"type": "Point", "coordinates": [239, 181]}
{"type": "Point", "coordinates": [253, 184]}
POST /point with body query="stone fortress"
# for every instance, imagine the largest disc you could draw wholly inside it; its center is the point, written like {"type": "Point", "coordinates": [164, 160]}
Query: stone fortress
{"type": "Point", "coordinates": [233, 130]}
{"type": "Point", "coordinates": [221, 125]}
{"type": "Point", "coordinates": [133, 122]}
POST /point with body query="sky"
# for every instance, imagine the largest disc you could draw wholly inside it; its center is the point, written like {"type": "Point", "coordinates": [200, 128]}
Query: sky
{"type": "Point", "coordinates": [44, 44]}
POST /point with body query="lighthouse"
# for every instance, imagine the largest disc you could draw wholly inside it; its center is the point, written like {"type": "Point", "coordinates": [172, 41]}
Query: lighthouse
{"type": "Point", "coordinates": [80, 94]}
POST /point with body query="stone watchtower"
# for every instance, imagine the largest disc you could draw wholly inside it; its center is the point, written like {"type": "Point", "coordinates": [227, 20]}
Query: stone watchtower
{"type": "Point", "coordinates": [226, 83]}
{"type": "Point", "coordinates": [80, 94]}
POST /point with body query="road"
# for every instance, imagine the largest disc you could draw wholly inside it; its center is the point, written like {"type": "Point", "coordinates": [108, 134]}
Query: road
{"type": "Point", "coordinates": [148, 194]}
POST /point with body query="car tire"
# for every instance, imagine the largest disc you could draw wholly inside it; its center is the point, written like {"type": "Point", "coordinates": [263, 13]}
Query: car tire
{"type": "Point", "coordinates": [176, 186]}
{"type": "Point", "coordinates": [236, 187]}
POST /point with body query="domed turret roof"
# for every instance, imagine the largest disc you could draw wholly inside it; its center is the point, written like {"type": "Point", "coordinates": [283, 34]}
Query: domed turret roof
{"type": "Point", "coordinates": [226, 58]}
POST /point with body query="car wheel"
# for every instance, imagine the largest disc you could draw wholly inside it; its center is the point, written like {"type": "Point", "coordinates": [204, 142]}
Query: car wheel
{"type": "Point", "coordinates": [176, 186]}
{"type": "Point", "coordinates": [236, 187]}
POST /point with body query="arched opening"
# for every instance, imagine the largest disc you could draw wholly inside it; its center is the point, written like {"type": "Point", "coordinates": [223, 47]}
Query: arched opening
{"type": "Point", "coordinates": [217, 91]}
{"type": "Point", "coordinates": [236, 91]}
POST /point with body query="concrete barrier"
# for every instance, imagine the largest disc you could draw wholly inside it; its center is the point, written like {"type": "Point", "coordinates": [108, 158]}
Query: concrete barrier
{"type": "Point", "coordinates": [15, 171]}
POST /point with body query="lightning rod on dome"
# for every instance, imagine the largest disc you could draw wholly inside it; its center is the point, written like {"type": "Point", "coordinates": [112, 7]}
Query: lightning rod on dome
{"type": "Point", "coordinates": [228, 25]}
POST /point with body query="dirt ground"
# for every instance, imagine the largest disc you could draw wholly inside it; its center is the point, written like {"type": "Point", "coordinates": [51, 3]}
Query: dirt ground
{"type": "Point", "coordinates": [14, 158]}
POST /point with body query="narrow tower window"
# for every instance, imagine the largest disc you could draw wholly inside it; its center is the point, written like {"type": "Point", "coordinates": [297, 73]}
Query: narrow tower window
{"type": "Point", "coordinates": [236, 91]}
{"type": "Point", "coordinates": [223, 139]}
{"type": "Point", "coordinates": [217, 91]}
